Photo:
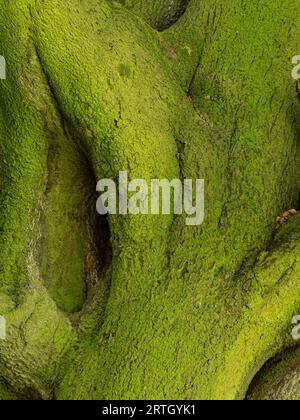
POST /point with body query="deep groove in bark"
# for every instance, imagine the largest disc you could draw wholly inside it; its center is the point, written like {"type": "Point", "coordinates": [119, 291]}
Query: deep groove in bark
{"type": "Point", "coordinates": [180, 12]}
{"type": "Point", "coordinates": [99, 258]}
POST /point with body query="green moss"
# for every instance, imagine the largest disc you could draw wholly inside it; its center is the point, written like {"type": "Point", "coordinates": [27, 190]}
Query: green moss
{"type": "Point", "coordinates": [159, 14]}
{"type": "Point", "coordinates": [5, 393]}
{"type": "Point", "coordinates": [34, 326]}
{"type": "Point", "coordinates": [186, 307]}
{"type": "Point", "coordinates": [124, 70]}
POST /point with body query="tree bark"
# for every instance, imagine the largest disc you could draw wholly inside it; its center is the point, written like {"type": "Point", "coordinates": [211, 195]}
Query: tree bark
{"type": "Point", "coordinates": [143, 307]}
{"type": "Point", "coordinates": [159, 14]}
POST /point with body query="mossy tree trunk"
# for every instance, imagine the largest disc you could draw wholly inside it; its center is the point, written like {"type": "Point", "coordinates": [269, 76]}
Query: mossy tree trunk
{"type": "Point", "coordinates": [144, 306]}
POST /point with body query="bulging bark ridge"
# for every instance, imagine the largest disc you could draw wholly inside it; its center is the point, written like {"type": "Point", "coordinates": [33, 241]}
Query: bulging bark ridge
{"type": "Point", "coordinates": [144, 306]}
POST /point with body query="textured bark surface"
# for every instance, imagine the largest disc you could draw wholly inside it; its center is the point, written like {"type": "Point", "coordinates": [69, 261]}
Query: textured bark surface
{"type": "Point", "coordinates": [144, 306]}
{"type": "Point", "coordinates": [279, 379]}
{"type": "Point", "coordinates": [159, 14]}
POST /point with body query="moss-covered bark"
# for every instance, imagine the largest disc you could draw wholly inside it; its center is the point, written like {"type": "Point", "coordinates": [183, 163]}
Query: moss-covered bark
{"type": "Point", "coordinates": [159, 14]}
{"type": "Point", "coordinates": [146, 307]}
{"type": "Point", "coordinates": [279, 379]}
